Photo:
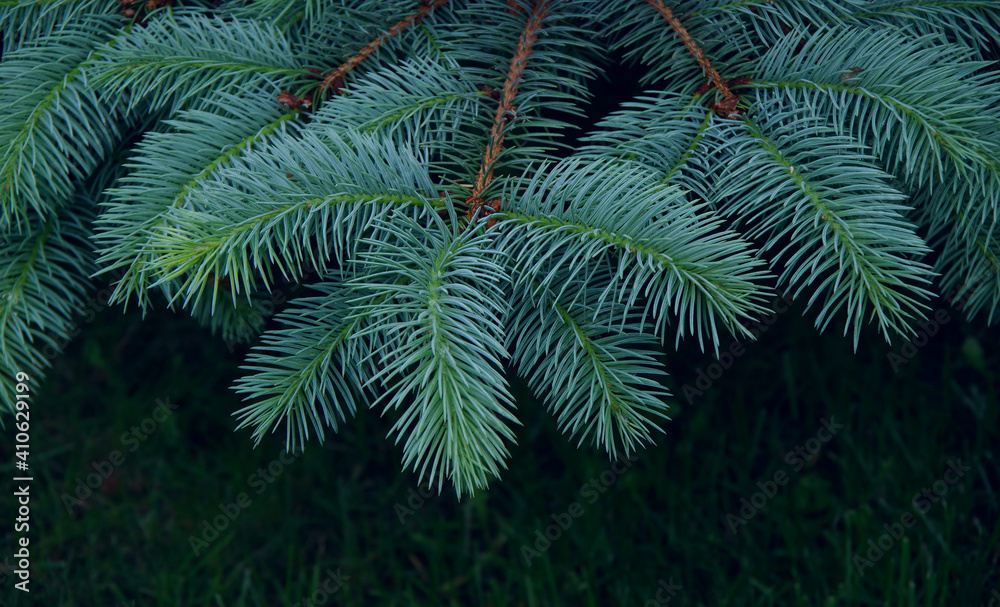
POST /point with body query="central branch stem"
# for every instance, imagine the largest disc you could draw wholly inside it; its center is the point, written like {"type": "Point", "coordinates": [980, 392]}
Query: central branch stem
{"type": "Point", "coordinates": [506, 108]}
{"type": "Point", "coordinates": [335, 79]}
{"type": "Point", "coordinates": [729, 98]}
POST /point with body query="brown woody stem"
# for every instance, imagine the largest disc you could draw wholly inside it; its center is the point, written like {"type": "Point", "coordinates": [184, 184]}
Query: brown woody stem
{"type": "Point", "coordinates": [730, 98]}
{"type": "Point", "coordinates": [506, 107]}
{"type": "Point", "coordinates": [335, 79]}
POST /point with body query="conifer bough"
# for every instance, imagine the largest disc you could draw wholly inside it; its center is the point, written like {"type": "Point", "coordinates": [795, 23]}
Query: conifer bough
{"type": "Point", "coordinates": [409, 161]}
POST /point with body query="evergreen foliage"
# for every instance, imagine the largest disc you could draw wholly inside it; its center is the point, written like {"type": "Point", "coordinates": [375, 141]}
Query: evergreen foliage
{"type": "Point", "coordinates": [409, 160]}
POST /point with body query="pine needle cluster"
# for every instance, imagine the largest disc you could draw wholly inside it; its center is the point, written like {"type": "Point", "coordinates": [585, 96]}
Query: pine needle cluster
{"type": "Point", "coordinates": [408, 159]}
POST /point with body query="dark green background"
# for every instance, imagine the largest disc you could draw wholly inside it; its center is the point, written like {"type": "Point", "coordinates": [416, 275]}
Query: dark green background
{"type": "Point", "coordinates": [339, 504]}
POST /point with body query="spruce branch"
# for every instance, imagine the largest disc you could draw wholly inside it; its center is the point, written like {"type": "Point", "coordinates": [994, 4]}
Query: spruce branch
{"type": "Point", "coordinates": [973, 23]}
{"type": "Point", "coordinates": [554, 80]}
{"type": "Point", "coordinates": [306, 372]}
{"type": "Point", "coordinates": [57, 129]}
{"type": "Point", "coordinates": [934, 106]}
{"type": "Point", "coordinates": [595, 372]}
{"type": "Point", "coordinates": [23, 22]}
{"type": "Point", "coordinates": [664, 132]}
{"type": "Point", "coordinates": [564, 223]}
{"type": "Point", "coordinates": [969, 260]}
{"type": "Point", "coordinates": [506, 109]}
{"type": "Point", "coordinates": [727, 106]}
{"type": "Point", "coordinates": [335, 79]}
{"type": "Point", "coordinates": [306, 202]}
{"type": "Point", "coordinates": [285, 14]}
{"type": "Point", "coordinates": [420, 102]}
{"type": "Point", "coordinates": [835, 216]}
{"type": "Point", "coordinates": [172, 62]}
{"type": "Point", "coordinates": [457, 236]}
{"type": "Point", "coordinates": [44, 279]}
{"type": "Point", "coordinates": [440, 321]}
{"type": "Point", "coordinates": [169, 165]}
{"type": "Point", "coordinates": [636, 28]}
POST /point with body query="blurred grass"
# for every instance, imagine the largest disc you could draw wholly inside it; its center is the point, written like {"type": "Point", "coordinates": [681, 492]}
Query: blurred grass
{"type": "Point", "coordinates": [338, 505]}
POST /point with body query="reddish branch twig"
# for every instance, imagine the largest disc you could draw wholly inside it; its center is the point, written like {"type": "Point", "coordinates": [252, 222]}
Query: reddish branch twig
{"type": "Point", "coordinates": [335, 79]}
{"type": "Point", "coordinates": [506, 109]}
{"type": "Point", "coordinates": [729, 99]}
